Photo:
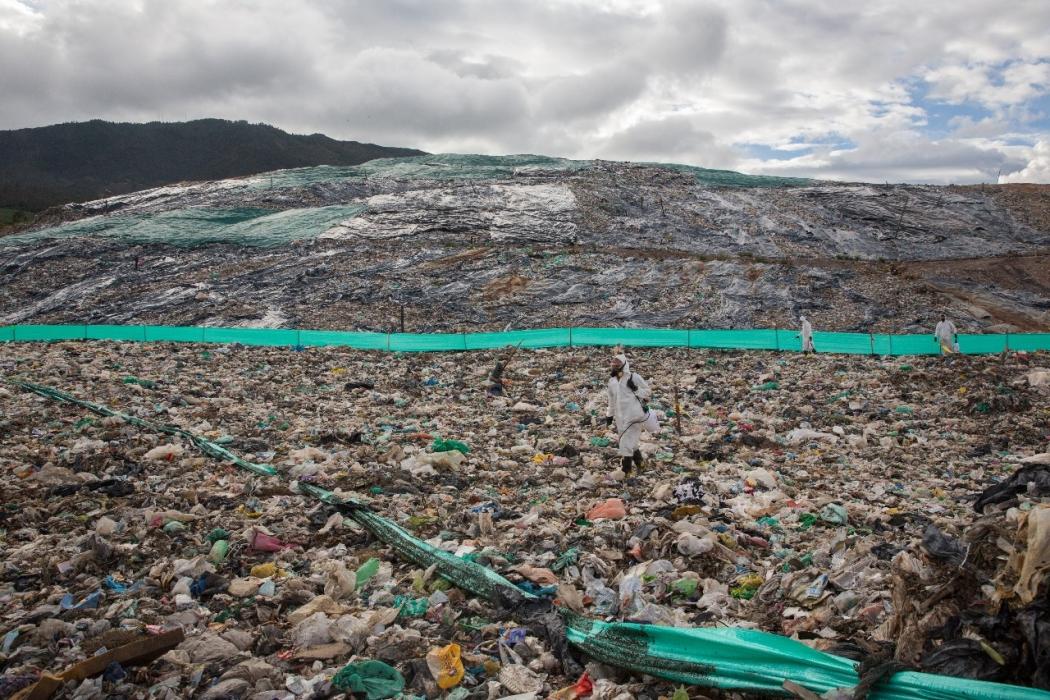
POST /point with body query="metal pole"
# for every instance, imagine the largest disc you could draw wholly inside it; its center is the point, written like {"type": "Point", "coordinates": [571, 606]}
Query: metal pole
{"type": "Point", "coordinates": [871, 337]}
{"type": "Point", "coordinates": [776, 335]}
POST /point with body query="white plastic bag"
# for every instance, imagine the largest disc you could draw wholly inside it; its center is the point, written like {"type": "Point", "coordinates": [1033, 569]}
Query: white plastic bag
{"type": "Point", "coordinates": [652, 423]}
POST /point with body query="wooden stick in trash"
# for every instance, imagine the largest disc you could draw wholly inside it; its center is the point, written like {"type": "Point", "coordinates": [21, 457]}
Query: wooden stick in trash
{"type": "Point", "coordinates": [677, 409]}
{"type": "Point", "coordinates": [140, 651]}
{"type": "Point", "coordinates": [506, 362]}
{"type": "Point", "coordinates": [799, 691]}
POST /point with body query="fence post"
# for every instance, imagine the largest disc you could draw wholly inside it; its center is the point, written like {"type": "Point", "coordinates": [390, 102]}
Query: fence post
{"type": "Point", "coordinates": [871, 337]}
{"type": "Point", "coordinates": [144, 339]}
{"type": "Point", "coordinates": [464, 341]}
{"type": "Point", "coordinates": [776, 336]}
{"type": "Point", "coordinates": [85, 332]}
{"type": "Point", "coordinates": [298, 338]}
{"type": "Point", "coordinates": [570, 336]}
{"type": "Point", "coordinates": [14, 332]}
{"type": "Point", "coordinates": [388, 342]}
{"type": "Point", "coordinates": [889, 336]}
{"type": "Point", "coordinates": [1007, 349]}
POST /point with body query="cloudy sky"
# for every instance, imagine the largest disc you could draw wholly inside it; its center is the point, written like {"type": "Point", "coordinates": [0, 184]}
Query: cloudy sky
{"type": "Point", "coordinates": [917, 90]}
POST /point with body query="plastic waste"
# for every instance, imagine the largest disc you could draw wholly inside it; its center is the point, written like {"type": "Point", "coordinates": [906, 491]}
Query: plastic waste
{"type": "Point", "coordinates": [834, 513]}
{"type": "Point", "coordinates": [612, 509]}
{"type": "Point", "coordinates": [365, 572]}
{"type": "Point", "coordinates": [446, 666]}
{"type": "Point", "coordinates": [374, 680]}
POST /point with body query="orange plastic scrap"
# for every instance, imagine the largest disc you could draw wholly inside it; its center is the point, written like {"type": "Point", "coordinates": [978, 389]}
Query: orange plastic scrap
{"type": "Point", "coordinates": [141, 651]}
{"type": "Point", "coordinates": [613, 509]}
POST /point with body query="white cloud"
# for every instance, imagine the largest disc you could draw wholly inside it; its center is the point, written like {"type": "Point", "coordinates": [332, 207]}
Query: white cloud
{"type": "Point", "coordinates": [1038, 168]}
{"type": "Point", "coordinates": [661, 80]}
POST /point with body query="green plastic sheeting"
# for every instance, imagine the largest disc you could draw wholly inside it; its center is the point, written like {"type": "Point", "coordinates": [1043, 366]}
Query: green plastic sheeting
{"type": "Point", "coordinates": [758, 662]}
{"type": "Point", "coordinates": [465, 166]}
{"type": "Point", "coordinates": [465, 574]}
{"type": "Point", "coordinates": [196, 226]}
{"type": "Point", "coordinates": [757, 339]}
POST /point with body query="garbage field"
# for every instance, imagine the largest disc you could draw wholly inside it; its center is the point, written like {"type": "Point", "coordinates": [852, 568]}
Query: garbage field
{"type": "Point", "coordinates": [221, 521]}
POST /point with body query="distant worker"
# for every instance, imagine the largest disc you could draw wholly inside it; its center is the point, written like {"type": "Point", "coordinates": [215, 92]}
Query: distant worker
{"type": "Point", "coordinates": [945, 333]}
{"type": "Point", "coordinates": [807, 335]}
{"type": "Point", "coordinates": [495, 382]}
{"type": "Point", "coordinates": [627, 409]}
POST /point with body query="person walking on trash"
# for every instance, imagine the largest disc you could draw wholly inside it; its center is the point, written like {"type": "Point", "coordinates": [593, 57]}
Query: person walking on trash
{"type": "Point", "coordinates": [807, 335]}
{"type": "Point", "coordinates": [945, 333]}
{"type": "Point", "coordinates": [627, 395]}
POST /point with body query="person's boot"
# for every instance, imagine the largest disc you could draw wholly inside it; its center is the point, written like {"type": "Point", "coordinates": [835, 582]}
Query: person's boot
{"type": "Point", "coordinates": [626, 465]}
{"type": "Point", "coordinates": [638, 459]}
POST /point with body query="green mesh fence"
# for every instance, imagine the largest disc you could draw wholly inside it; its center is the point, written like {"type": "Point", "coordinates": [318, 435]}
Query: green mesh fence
{"type": "Point", "coordinates": [983, 344]}
{"type": "Point", "coordinates": [759, 339]}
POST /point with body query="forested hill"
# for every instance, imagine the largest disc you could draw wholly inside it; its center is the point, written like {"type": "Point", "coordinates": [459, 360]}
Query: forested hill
{"type": "Point", "coordinates": [51, 165]}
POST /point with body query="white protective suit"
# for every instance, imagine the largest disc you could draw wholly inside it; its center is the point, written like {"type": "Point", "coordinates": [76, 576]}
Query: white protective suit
{"type": "Point", "coordinates": [945, 334]}
{"type": "Point", "coordinates": [625, 407]}
{"type": "Point", "coordinates": [806, 335]}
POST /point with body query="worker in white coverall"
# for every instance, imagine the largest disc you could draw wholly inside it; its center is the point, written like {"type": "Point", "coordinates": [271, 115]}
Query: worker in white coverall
{"type": "Point", "coordinates": [627, 395]}
{"type": "Point", "coordinates": [807, 335]}
{"type": "Point", "coordinates": [945, 335]}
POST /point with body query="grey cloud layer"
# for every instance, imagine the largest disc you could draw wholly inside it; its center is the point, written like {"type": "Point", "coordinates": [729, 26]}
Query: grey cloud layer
{"type": "Point", "coordinates": [680, 80]}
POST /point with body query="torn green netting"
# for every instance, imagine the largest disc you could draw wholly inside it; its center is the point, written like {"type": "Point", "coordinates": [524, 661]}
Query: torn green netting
{"type": "Point", "coordinates": [206, 446]}
{"type": "Point", "coordinates": [758, 662]}
{"type": "Point", "coordinates": [464, 574]}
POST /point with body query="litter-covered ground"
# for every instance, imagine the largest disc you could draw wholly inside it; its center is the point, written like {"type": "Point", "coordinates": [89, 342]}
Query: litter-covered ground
{"type": "Point", "coordinates": [828, 499]}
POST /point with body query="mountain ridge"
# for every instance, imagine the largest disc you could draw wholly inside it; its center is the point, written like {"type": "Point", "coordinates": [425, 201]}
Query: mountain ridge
{"type": "Point", "coordinates": [51, 165]}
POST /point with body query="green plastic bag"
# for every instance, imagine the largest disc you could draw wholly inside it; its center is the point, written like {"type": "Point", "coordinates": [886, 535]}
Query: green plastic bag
{"type": "Point", "coordinates": [375, 679]}
{"type": "Point", "coordinates": [366, 571]}
{"type": "Point", "coordinates": [441, 445]}
{"type": "Point", "coordinates": [218, 552]}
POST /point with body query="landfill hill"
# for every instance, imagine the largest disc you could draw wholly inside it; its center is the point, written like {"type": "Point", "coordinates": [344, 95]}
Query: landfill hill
{"type": "Point", "coordinates": [468, 243]}
{"type": "Point", "coordinates": [877, 509]}
{"type": "Point", "coordinates": [52, 165]}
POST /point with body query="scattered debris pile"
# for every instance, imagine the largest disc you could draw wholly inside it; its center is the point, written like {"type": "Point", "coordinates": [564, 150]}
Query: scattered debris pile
{"type": "Point", "coordinates": [862, 507]}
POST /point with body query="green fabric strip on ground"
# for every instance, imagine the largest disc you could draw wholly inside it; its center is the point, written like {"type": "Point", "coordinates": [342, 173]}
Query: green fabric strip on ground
{"type": "Point", "coordinates": [759, 662]}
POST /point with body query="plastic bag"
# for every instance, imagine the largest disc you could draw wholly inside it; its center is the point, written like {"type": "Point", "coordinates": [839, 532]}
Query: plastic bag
{"type": "Point", "coordinates": [446, 666]}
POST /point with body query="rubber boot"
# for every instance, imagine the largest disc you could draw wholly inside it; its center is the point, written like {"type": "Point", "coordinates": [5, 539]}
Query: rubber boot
{"type": "Point", "coordinates": [626, 465]}
{"type": "Point", "coordinates": [638, 459]}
